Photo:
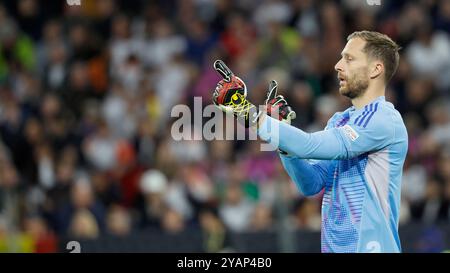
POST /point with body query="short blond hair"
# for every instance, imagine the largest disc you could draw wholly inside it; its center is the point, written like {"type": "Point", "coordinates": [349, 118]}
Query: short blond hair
{"type": "Point", "coordinates": [379, 46]}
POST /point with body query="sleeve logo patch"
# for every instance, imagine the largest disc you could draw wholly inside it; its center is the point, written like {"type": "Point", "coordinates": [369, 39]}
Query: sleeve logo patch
{"type": "Point", "coordinates": [350, 133]}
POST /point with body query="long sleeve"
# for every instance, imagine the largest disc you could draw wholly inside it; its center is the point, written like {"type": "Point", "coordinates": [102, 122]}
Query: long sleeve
{"type": "Point", "coordinates": [335, 143]}
{"type": "Point", "coordinates": [310, 178]}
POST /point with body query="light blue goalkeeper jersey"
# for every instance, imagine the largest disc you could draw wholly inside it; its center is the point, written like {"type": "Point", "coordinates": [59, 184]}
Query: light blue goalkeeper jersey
{"type": "Point", "coordinates": [357, 161]}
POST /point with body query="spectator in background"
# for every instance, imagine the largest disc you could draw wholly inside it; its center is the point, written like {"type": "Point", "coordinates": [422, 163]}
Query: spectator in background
{"type": "Point", "coordinates": [301, 99]}
{"type": "Point", "coordinates": [438, 114]}
{"type": "Point", "coordinates": [279, 45]}
{"type": "Point", "coordinates": [178, 198]}
{"type": "Point", "coordinates": [163, 43]}
{"type": "Point", "coordinates": [429, 56]}
{"type": "Point", "coordinates": [116, 112]}
{"type": "Point", "coordinates": [238, 37]}
{"type": "Point", "coordinates": [58, 194]}
{"type": "Point", "coordinates": [104, 11]}
{"type": "Point", "coordinates": [431, 209]}
{"type": "Point", "coordinates": [45, 162]}
{"type": "Point", "coordinates": [305, 18]}
{"type": "Point", "coordinates": [199, 189]}
{"type": "Point", "coordinates": [200, 39]}
{"type": "Point", "coordinates": [151, 204]}
{"type": "Point", "coordinates": [100, 148]}
{"type": "Point", "coordinates": [17, 49]}
{"type": "Point", "coordinates": [172, 222]}
{"type": "Point", "coordinates": [130, 73]}
{"type": "Point", "coordinates": [14, 241]}
{"type": "Point", "coordinates": [29, 17]}
{"type": "Point", "coordinates": [118, 221]}
{"type": "Point", "coordinates": [325, 105]}
{"type": "Point", "coordinates": [82, 43]}
{"type": "Point", "coordinates": [45, 240]}
{"type": "Point", "coordinates": [78, 88]}
{"type": "Point", "coordinates": [215, 235]}
{"type": "Point", "coordinates": [55, 71]}
{"type": "Point", "coordinates": [51, 36]}
{"type": "Point", "coordinates": [414, 182]}
{"type": "Point", "coordinates": [271, 11]}
{"type": "Point", "coordinates": [442, 21]}
{"type": "Point", "coordinates": [107, 189]}
{"type": "Point", "coordinates": [307, 215]}
{"type": "Point", "coordinates": [122, 44]}
{"type": "Point", "coordinates": [236, 210]}
{"type": "Point", "coordinates": [262, 219]}
{"type": "Point", "coordinates": [82, 209]}
{"type": "Point", "coordinates": [170, 83]}
{"type": "Point", "coordinates": [10, 183]}
{"type": "Point", "coordinates": [145, 141]}
{"type": "Point", "coordinates": [83, 225]}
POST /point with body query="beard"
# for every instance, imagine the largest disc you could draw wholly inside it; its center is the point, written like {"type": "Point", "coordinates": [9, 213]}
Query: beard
{"type": "Point", "coordinates": [356, 85]}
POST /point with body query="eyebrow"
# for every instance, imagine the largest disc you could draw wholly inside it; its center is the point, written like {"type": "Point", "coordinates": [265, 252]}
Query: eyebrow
{"type": "Point", "coordinates": [346, 54]}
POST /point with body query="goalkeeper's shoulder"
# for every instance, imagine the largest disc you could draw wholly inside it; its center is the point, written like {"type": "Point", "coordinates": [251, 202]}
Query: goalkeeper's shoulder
{"type": "Point", "coordinates": [388, 121]}
{"type": "Point", "coordinates": [381, 115]}
{"type": "Point", "coordinates": [381, 121]}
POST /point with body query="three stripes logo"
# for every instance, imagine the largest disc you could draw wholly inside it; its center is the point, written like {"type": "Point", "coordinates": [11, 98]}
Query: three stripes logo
{"type": "Point", "coordinates": [363, 119]}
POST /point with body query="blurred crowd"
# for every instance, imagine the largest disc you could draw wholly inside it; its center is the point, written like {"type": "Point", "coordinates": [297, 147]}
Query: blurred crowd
{"type": "Point", "coordinates": [86, 94]}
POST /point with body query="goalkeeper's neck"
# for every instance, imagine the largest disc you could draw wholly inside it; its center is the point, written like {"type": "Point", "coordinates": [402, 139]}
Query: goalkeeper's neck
{"type": "Point", "coordinates": [372, 92]}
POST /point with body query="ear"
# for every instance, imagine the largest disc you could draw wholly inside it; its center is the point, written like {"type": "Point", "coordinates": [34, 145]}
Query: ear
{"type": "Point", "coordinates": [376, 69]}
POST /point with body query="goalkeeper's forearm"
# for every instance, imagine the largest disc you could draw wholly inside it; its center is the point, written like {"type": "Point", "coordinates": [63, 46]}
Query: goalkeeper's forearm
{"type": "Point", "coordinates": [319, 145]}
{"type": "Point", "coordinates": [308, 177]}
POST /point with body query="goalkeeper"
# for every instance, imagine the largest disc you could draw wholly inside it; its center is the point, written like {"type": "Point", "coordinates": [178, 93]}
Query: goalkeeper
{"type": "Point", "coordinates": [357, 160]}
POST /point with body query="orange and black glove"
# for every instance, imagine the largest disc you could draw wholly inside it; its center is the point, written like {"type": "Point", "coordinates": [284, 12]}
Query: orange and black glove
{"type": "Point", "coordinates": [230, 96]}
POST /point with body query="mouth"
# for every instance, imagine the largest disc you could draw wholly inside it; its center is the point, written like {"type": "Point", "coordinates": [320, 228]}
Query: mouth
{"type": "Point", "coordinates": [341, 79]}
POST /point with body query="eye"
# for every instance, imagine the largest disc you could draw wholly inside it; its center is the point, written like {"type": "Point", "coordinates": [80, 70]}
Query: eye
{"type": "Point", "coordinates": [348, 58]}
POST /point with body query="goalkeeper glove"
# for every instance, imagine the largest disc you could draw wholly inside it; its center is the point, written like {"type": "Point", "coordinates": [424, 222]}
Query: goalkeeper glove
{"type": "Point", "coordinates": [276, 105]}
{"type": "Point", "coordinates": [230, 96]}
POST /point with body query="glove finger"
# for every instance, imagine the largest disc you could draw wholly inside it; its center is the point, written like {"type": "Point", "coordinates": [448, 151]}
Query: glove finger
{"type": "Point", "coordinates": [272, 93]}
{"type": "Point", "coordinates": [280, 99]}
{"type": "Point", "coordinates": [243, 85]}
{"type": "Point", "coordinates": [226, 109]}
{"type": "Point", "coordinates": [223, 70]}
{"type": "Point", "coordinates": [292, 115]}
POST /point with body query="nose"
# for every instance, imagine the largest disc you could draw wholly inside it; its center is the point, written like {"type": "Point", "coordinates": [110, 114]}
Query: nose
{"type": "Point", "coordinates": [338, 66]}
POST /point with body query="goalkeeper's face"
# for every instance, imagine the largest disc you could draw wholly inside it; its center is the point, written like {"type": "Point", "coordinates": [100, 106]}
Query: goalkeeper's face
{"type": "Point", "coordinates": [353, 70]}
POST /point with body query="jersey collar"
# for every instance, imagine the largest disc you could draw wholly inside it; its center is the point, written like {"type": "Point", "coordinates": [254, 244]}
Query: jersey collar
{"type": "Point", "coordinates": [352, 110]}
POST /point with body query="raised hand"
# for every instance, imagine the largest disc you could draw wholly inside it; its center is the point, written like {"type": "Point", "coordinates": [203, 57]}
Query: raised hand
{"type": "Point", "coordinates": [277, 106]}
{"type": "Point", "coordinates": [230, 96]}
